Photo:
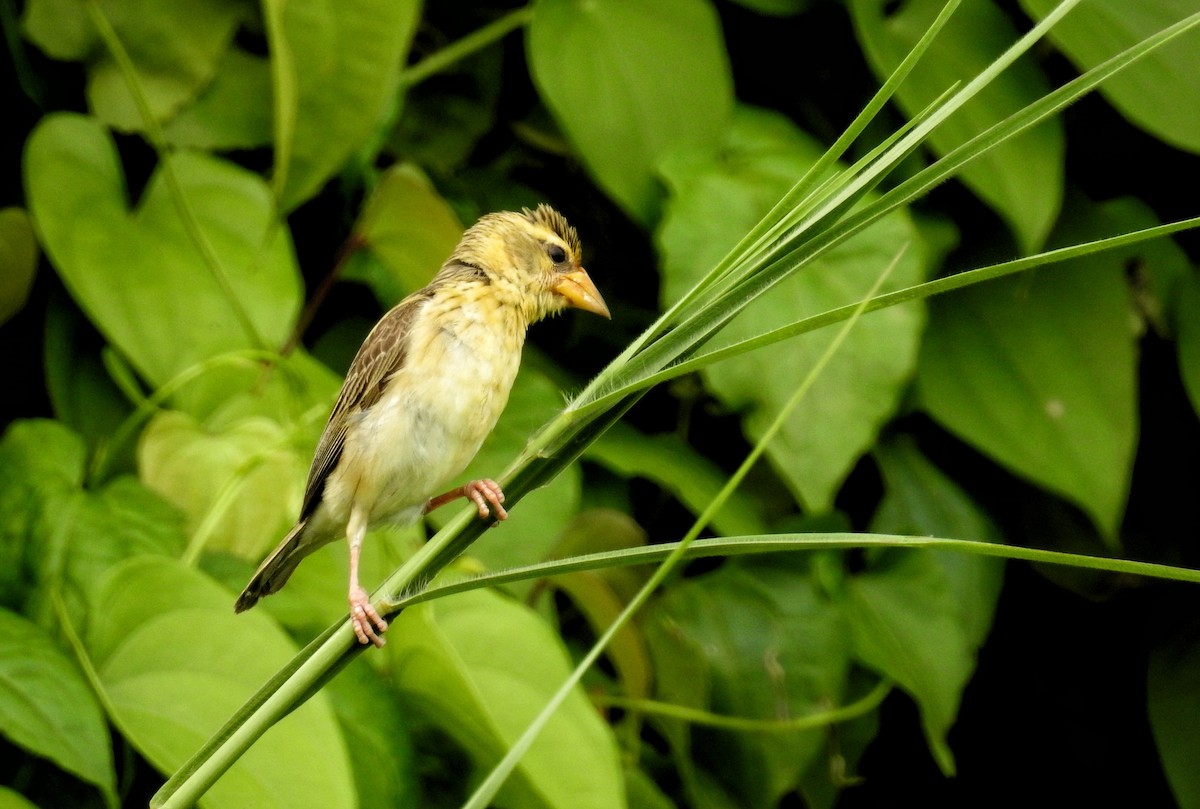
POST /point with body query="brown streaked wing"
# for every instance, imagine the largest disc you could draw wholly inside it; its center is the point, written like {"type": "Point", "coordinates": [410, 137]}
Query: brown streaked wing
{"type": "Point", "coordinates": [381, 354]}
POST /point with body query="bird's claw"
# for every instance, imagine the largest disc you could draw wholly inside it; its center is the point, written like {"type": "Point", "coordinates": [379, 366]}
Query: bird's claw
{"type": "Point", "coordinates": [368, 624]}
{"type": "Point", "coordinates": [483, 493]}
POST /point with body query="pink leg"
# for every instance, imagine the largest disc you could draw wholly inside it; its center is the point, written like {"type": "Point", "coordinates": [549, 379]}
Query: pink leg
{"type": "Point", "coordinates": [482, 493]}
{"type": "Point", "coordinates": [363, 616]}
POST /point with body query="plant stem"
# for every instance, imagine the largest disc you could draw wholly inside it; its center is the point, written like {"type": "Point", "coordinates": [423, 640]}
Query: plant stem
{"type": "Point", "coordinates": [475, 41]}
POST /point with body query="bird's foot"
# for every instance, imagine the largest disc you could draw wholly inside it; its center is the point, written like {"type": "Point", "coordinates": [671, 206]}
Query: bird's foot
{"type": "Point", "coordinates": [368, 624]}
{"type": "Point", "coordinates": [484, 492]}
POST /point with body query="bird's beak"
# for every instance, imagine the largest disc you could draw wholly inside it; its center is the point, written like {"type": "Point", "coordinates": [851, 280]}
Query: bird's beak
{"type": "Point", "coordinates": [577, 287]}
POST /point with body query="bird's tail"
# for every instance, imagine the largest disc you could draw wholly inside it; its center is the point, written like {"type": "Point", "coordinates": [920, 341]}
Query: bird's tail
{"type": "Point", "coordinates": [277, 568]}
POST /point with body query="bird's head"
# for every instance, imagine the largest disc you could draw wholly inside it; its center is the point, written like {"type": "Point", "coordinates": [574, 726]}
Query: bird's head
{"type": "Point", "coordinates": [535, 257]}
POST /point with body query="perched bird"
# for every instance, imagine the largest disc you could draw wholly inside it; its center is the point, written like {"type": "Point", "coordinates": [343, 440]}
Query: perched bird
{"type": "Point", "coordinates": [425, 389]}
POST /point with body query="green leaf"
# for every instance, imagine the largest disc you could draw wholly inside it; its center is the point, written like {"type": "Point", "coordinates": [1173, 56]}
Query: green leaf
{"type": "Point", "coordinates": [335, 68]}
{"type": "Point", "coordinates": [376, 729]}
{"type": "Point", "coordinates": [711, 207]}
{"type": "Point", "coordinates": [233, 112]}
{"type": "Point", "coordinates": [18, 260]}
{"type": "Point", "coordinates": [1173, 696]}
{"type": "Point", "coordinates": [631, 83]}
{"type": "Point", "coordinates": [673, 464]}
{"type": "Point", "coordinates": [41, 464]}
{"type": "Point", "coordinates": [907, 624]}
{"type": "Point", "coordinates": [410, 228]}
{"type": "Point", "coordinates": [1039, 372]}
{"type": "Point", "coordinates": [138, 275]}
{"type": "Point", "coordinates": [1157, 93]}
{"type": "Point", "coordinates": [241, 485]}
{"type": "Point", "coordinates": [921, 501]}
{"type": "Point", "coordinates": [11, 799]}
{"type": "Point", "coordinates": [1188, 319]}
{"type": "Point", "coordinates": [776, 8]}
{"type": "Point", "coordinates": [773, 648]}
{"type": "Point", "coordinates": [47, 708]}
{"type": "Point", "coordinates": [481, 666]}
{"type": "Point", "coordinates": [174, 662]}
{"type": "Point", "coordinates": [1021, 179]}
{"type": "Point", "coordinates": [175, 50]}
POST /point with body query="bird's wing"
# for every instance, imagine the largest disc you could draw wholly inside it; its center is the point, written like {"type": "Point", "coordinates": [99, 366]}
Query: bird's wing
{"type": "Point", "coordinates": [381, 354]}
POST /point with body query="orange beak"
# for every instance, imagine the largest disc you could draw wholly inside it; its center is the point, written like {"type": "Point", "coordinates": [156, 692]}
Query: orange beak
{"type": "Point", "coordinates": [577, 287]}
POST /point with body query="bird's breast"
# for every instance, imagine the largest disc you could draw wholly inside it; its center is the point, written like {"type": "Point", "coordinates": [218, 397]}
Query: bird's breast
{"type": "Point", "coordinates": [436, 410]}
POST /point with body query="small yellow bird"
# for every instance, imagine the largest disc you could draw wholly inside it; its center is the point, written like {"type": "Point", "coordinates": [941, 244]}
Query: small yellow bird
{"type": "Point", "coordinates": [426, 388]}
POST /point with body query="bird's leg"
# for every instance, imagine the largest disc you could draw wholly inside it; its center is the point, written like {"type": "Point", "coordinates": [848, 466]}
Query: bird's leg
{"type": "Point", "coordinates": [482, 493]}
{"type": "Point", "coordinates": [363, 616]}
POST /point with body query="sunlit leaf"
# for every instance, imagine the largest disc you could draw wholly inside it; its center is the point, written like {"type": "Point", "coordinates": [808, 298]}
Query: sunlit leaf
{"type": "Point", "coordinates": [1021, 179]}
{"type": "Point", "coordinates": [630, 83]}
{"type": "Point", "coordinates": [410, 228]}
{"type": "Point", "coordinates": [175, 662]}
{"type": "Point", "coordinates": [1159, 92]}
{"type": "Point", "coordinates": [335, 69]}
{"type": "Point", "coordinates": [711, 206]}
{"type": "Point", "coordinates": [138, 274]}
{"type": "Point", "coordinates": [233, 112]}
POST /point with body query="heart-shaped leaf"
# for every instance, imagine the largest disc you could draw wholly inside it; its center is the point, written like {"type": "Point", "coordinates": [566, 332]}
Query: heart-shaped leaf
{"type": "Point", "coordinates": [47, 708]}
{"type": "Point", "coordinates": [139, 275]}
{"type": "Point", "coordinates": [712, 205]}
{"type": "Point", "coordinates": [175, 662]}
{"type": "Point", "coordinates": [1021, 179]}
{"type": "Point", "coordinates": [631, 83]}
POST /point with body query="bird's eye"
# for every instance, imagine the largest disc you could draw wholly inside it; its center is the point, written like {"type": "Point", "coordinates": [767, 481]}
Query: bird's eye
{"type": "Point", "coordinates": [556, 254]}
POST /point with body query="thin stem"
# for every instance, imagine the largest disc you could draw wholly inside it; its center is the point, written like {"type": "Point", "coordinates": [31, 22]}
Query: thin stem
{"type": "Point", "coordinates": [456, 51]}
{"type": "Point", "coordinates": [814, 721]}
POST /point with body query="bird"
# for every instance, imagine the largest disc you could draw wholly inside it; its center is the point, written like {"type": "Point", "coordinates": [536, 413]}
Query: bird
{"type": "Point", "coordinates": [425, 389]}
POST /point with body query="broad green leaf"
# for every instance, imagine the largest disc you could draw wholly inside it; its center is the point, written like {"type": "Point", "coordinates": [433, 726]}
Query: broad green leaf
{"type": "Point", "coordinates": [774, 648]}
{"type": "Point", "coordinates": [1159, 92]}
{"type": "Point", "coordinates": [18, 260]}
{"type": "Point", "coordinates": [480, 667]}
{"type": "Point", "coordinates": [712, 205]}
{"type": "Point", "coordinates": [175, 662]}
{"type": "Point", "coordinates": [410, 228]}
{"type": "Point", "coordinates": [138, 275]}
{"type": "Point", "coordinates": [376, 729]}
{"type": "Point", "coordinates": [241, 486]}
{"type": "Point", "coordinates": [922, 501]}
{"type": "Point", "coordinates": [1173, 696]}
{"type": "Point", "coordinates": [907, 623]}
{"type": "Point", "coordinates": [535, 523]}
{"type": "Point", "coordinates": [630, 83]}
{"type": "Point", "coordinates": [1188, 328]}
{"type": "Point", "coordinates": [674, 465]}
{"type": "Point", "coordinates": [1039, 372]}
{"type": "Point", "coordinates": [1021, 179]}
{"type": "Point", "coordinates": [174, 47]}
{"type": "Point", "coordinates": [776, 8]}
{"type": "Point", "coordinates": [11, 799]}
{"type": "Point", "coordinates": [335, 69]}
{"type": "Point", "coordinates": [233, 112]}
{"type": "Point", "coordinates": [41, 464]}
{"type": "Point", "coordinates": [47, 708]}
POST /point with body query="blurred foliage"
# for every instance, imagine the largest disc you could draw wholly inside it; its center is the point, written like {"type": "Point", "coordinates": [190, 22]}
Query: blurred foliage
{"type": "Point", "coordinates": [177, 175]}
